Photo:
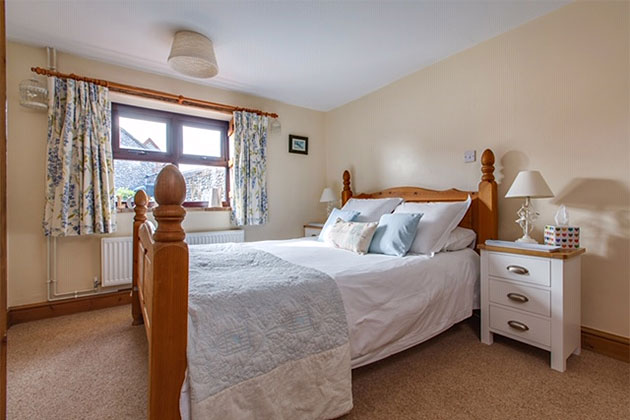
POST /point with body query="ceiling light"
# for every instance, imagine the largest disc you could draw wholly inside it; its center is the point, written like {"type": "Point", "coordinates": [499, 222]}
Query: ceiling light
{"type": "Point", "coordinates": [192, 54]}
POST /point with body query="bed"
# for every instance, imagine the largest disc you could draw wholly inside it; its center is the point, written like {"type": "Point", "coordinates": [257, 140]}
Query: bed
{"type": "Point", "coordinates": [390, 303]}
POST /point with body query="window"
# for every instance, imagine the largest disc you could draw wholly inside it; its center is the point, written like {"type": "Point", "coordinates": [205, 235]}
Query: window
{"type": "Point", "coordinates": [145, 140]}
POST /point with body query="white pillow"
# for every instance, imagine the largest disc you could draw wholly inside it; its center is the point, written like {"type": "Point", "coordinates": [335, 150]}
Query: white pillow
{"type": "Point", "coordinates": [460, 238]}
{"type": "Point", "coordinates": [371, 209]}
{"type": "Point", "coordinates": [437, 222]}
{"type": "Point", "coordinates": [353, 236]}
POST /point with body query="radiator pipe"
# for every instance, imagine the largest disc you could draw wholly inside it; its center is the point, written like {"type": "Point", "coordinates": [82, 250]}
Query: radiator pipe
{"type": "Point", "coordinates": [51, 281]}
{"type": "Point", "coordinates": [51, 242]}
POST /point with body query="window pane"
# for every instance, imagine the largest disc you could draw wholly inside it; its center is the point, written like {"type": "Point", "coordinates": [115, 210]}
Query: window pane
{"type": "Point", "coordinates": [201, 179]}
{"type": "Point", "coordinates": [131, 176]}
{"type": "Point", "coordinates": [140, 134]}
{"type": "Point", "coordinates": [201, 141]}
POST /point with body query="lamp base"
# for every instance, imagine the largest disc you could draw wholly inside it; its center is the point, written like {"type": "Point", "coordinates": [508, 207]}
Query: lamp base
{"type": "Point", "coordinates": [526, 240]}
{"type": "Point", "coordinates": [526, 218]}
{"type": "Point", "coordinates": [329, 208]}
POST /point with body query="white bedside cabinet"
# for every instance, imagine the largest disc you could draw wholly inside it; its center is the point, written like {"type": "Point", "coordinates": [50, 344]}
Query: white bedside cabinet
{"type": "Point", "coordinates": [533, 297]}
{"type": "Point", "coordinates": [313, 229]}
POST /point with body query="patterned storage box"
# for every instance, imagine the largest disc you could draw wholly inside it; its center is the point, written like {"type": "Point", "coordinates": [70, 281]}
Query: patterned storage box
{"type": "Point", "coordinates": [564, 236]}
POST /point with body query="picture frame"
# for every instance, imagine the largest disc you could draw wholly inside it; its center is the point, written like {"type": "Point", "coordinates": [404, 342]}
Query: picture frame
{"type": "Point", "coordinates": [298, 144]}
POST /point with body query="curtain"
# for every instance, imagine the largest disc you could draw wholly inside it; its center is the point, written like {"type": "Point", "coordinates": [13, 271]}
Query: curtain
{"type": "Point", "coordinates": [249, 189]}
{"type": "Point", "coordinates": [80, 184]}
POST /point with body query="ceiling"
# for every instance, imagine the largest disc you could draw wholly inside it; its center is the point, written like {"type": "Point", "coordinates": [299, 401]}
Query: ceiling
{"type": "Point", "coordinates": [318, 55]}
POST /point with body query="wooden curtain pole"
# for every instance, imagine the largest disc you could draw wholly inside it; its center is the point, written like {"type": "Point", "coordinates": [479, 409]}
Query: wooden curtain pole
{"type": "Point", "coordinates": [154, 94]}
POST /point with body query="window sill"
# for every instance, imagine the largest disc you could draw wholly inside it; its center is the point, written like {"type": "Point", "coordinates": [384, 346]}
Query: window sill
{"type": "Point", "coordinates": [188, 209]}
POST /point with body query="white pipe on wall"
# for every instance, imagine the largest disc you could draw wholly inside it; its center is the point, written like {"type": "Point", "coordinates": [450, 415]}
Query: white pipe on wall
{"type": "Point", "coordinates": [51, 58]}
{"type": "Point", "coordinates": [51, 281]}
{"type": "Point", "coordinates": [51, 242]}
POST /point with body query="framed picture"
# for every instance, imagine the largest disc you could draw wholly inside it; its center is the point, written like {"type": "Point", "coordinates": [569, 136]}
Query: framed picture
{"type": "Point", "coordinates": [298, 144]}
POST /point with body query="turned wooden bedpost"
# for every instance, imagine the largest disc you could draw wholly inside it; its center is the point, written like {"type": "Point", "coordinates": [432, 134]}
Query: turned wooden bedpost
{"type": "Point", "coordinates": [169, 317]}
{"type": "Point", "coordinates": [346, 194]}
{"type": "Point", "coordinates": [141, 200]}
{"type": "Point", "coordinates": [487, 206]}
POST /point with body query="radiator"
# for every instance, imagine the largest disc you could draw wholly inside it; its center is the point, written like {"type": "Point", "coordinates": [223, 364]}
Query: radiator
{"type": "Point", "coordinates": [216, 237]}
{"type": "Point", "coordinates": [116, 261]}
{"type": "Point", "coordinates": [116, 253]}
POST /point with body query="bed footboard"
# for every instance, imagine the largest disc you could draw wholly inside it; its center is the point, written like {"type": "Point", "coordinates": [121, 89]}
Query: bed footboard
{"type": "Point", "coordinates": [160, 290]}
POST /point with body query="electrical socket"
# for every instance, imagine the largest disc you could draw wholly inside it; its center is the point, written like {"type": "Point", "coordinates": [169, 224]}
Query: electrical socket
{"type": "Point", "coordinates": [470, 156]}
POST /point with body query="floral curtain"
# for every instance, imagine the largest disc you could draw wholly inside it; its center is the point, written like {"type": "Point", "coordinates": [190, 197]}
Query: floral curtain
{"type": "Point", "coordinates": [249, 187]}
{"type": "Point", "coordinates": [80, 178]}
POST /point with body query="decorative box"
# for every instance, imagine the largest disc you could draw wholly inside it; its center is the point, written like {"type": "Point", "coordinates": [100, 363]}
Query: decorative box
{"type": "Point", "coordinates": [564, 236]}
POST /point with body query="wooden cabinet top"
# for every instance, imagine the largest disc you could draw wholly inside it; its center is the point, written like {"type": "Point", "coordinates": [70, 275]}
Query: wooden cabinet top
{"type": "Point", "coordinates": [562, 254]}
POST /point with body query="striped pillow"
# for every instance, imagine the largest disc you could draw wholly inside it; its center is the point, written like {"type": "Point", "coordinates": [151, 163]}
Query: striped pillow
{"type": "Point", "coordinates": [353, 236]}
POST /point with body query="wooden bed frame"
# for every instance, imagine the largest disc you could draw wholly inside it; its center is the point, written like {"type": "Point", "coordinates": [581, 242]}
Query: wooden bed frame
{"type": "Point", "coordinates": [482, 216]}
{"type": "Point", "coordinates": [160, 269]}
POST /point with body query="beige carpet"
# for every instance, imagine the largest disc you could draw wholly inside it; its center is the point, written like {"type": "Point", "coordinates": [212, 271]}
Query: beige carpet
{"type": "Point", "coordinates": [93, 366]}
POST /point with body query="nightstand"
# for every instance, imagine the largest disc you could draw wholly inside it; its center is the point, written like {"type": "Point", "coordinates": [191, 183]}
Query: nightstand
{"type": "Point", "coordinates": [313, 229]}
{"type": "Point", "coordinates": [533, 297]}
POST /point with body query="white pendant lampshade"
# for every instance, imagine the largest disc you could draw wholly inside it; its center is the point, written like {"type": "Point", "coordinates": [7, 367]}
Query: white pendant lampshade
{"type": "Point", "coordinates": [529, 184]}
{"type": "Point", "coordinates": [192, 54]}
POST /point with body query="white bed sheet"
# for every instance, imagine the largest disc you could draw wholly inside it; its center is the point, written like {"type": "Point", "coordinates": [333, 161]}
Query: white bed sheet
{"type": "Point", "coordinates": [391, 303]}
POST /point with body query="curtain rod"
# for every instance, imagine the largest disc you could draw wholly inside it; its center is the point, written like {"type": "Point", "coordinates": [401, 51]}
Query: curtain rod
{"type": "Point", "coordinates": [153, 94]}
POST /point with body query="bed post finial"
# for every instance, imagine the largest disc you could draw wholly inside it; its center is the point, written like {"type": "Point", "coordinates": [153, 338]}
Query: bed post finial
{"type": "Point", "coordinates": [169, 296]}
{"type": "Point", "coordinates": [346, 194]}
{"type": "Point", "coordinates": [487, 206]}
{"type": "Point", "coordinates": [170, 192]}
{"type": "Point", "coordinates": [487, 165]}
{"type": "Point", "coordinates": [141, 200]}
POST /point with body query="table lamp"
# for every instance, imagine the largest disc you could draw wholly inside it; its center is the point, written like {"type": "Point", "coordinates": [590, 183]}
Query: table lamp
{"type": "Point", "coordinates": [328, 197]}
{"type": "Point", "coordinates": [528, 185]}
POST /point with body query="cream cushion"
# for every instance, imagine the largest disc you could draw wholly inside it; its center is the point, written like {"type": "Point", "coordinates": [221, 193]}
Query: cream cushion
{"type": "Point", "coordinates": [352, 236]}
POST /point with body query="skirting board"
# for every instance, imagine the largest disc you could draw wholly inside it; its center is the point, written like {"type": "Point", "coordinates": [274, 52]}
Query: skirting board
{"type": "Point", "coordinates": [605, 343]}
{"type": "Point", "coordinates": [35, 311]}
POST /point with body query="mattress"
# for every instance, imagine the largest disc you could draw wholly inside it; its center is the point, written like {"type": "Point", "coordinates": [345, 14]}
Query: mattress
{"type": "Point", "coordinates": [391, 303]}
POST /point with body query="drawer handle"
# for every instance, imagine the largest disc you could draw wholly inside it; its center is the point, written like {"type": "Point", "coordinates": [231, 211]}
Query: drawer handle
{"type": "Point", "coordinates": [518, 325]}
{"type": "Point", "coordinates": [517, 297]}
{"type": "Point", "coordinates": [517, 269]}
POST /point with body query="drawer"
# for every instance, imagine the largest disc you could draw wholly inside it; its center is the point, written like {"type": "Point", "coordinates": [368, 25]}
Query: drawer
{"type": "Point", "coordinates": [532, 328]}
{"type": "Point", "coordinates": [311, 231]}
{"type": "Point", "coordinates": [521, 297]}
{"type": "Point", "coordinates": [527, 269]}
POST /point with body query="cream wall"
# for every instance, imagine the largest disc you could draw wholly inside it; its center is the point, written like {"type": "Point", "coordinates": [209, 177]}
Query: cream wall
{"type": "Point", "coordinates": [550, 95]}
{"type": "Point", "coordinates": [294, 181]}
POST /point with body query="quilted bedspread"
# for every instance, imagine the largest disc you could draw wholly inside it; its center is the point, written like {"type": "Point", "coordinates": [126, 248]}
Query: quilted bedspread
{"type": "Point", "coordinates": [266, 338]}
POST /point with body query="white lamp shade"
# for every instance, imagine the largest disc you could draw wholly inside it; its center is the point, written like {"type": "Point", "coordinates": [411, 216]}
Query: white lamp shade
{"type": "Point", "coordinates": [529, 184]}
{"type": "Point", "coordinates": [192, 54]}
{"type": "Point", "coordinates": [327, 196]}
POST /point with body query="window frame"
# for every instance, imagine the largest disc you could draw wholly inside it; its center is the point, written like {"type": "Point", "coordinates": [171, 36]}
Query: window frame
{"type": "Point", "coordinates": [174, 142]}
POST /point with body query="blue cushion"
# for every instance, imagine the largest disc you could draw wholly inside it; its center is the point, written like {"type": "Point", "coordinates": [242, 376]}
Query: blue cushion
{"type": "Point", "coordinates": [395, 234]}
{"type": "Point", "coordinates": [345, 215]}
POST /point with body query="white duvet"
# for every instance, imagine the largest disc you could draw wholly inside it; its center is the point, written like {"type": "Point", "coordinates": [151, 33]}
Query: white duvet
{"type": "Point", "coordinates": [392, 303]}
